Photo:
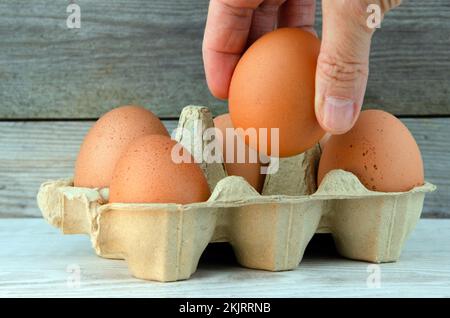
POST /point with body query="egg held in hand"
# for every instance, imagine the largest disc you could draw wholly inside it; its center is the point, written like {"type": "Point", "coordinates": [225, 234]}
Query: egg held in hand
{"type": "Point", "coordinates": [273, 87]}
{"type": "Point", "coordinates": [107, 140]}
{"type": "Point", "coordinates": [379, 150]}
{"type": "Point", "coordinates": [250, 171]}
{"type": "Point", "coordinates": [147, 173]}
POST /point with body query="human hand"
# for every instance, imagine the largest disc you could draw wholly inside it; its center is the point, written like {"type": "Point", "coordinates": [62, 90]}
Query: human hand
{"type": "Point", "coordinates": [343, 62]}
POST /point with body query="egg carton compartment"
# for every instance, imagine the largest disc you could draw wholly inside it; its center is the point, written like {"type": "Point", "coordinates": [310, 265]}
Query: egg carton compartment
{"type": "Point", "coordinates": [267, 231]}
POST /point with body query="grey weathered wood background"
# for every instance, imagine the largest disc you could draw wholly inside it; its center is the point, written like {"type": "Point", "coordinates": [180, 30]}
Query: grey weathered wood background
{"type": "Point", "coordinates": [149, 52]}
{"type": "Point", "coordinates": [55, 81]}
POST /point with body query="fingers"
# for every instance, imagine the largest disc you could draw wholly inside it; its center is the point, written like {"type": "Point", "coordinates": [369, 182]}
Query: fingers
{"type": "Point", "coordinates": [265, 19]}
{"type": "Point", "coordinates": [343, 65]}
{"type": "Point", "coordinates": [298, 14]}
{"type": "Point", "coordinates": [226, 32]}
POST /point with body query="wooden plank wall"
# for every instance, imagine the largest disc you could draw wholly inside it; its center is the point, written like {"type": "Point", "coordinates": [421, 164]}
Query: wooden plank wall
{"type": "Point", "coordinates": [33, 152]}
{"type": "Point", "coordinates": [149, 52]}
{"type": "Point", "coordinates": [54, 81]}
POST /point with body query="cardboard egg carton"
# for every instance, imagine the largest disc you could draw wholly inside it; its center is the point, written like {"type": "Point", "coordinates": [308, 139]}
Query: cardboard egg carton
{"type": "Point", "coordinates": [164, 242]}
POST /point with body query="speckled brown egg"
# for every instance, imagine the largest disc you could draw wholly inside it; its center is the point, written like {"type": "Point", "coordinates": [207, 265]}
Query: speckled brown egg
{"type": "Point", "coordinates": [379, 150]}
{"type": "Point", "coordinates": [250, 171]}
{"type": "Point", "coordinates": [106, 141]}
{"type": "Point", "coordinates": [146, 173]}
{"type": "Point", "coordinates": [273, 87]}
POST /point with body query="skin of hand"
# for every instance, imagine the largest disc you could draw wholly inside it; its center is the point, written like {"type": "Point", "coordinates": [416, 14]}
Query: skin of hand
{"type": "Point", "coordinates": [343, 62]}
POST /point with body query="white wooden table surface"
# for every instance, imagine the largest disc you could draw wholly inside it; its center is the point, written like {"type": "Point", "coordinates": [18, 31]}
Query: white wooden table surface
{"type": "Point", "coordinates": [34, 259]}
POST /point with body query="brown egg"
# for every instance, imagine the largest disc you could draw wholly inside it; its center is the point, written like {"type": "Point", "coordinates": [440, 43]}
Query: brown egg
{"type": "Point", "coordinates": [273, 87]}
{"type": "Point", "coordinates": [379, 150]}
{"type": "Point", "coordinates": [146, 173]}
{"type": "Point", "coordinates": [249, 171]}
{"type": "Point", "coordinates": [106, 141]}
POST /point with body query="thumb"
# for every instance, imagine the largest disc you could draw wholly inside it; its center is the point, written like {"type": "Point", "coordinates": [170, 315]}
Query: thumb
{"type": "Point", "coordinates": [343, 64]}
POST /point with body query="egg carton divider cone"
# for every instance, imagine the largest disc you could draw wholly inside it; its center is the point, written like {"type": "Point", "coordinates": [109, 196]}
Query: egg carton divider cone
{"type": "Point", "coordinates": [164, 242]}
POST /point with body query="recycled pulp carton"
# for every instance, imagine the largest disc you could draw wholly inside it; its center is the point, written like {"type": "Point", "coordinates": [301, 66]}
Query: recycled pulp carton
{"type": "Point", "coordinates": [164, 242]}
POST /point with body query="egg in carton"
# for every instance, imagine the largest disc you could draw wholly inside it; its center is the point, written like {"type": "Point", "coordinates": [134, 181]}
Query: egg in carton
{"type": "Point", "coordinates": [267, 231]}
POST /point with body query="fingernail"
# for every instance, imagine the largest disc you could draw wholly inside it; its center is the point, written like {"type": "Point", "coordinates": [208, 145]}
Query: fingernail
{"type": "Point", "coordinates": [338, 114]}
